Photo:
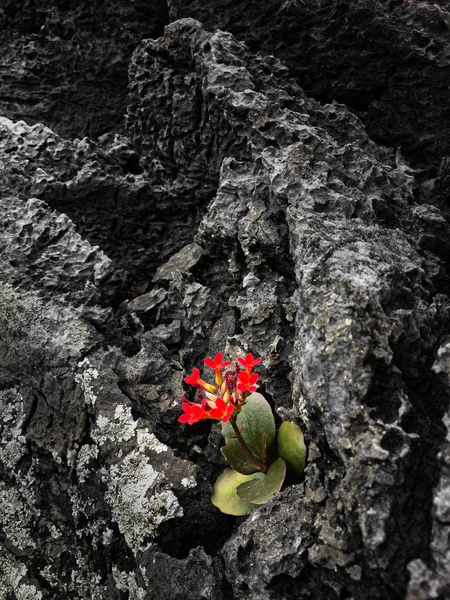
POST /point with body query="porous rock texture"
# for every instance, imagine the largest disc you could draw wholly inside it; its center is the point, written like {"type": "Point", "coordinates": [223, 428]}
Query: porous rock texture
{"type": "Point", "coordinates": [387, 60]}
{"type": "Point", "coordinates": [64, 63]}
{"type": "Point", "coordinates": [234, 211]}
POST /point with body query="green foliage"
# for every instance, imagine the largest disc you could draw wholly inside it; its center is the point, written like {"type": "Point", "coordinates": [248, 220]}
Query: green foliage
{"type": "Point", "coordinates": [261, 490]}
{"type": "Point", "coordinates": [225, 495]}
{"type": "Point", "coordinates": [237, 459]}
{"type": "Point", "coordinates": [258, 465]}
{"type": "Point", "coordinates": [256, 419]}
{"type": "Point", "coordinates": [291, 446]}
{"type": "Point", "coordinates": [240, 489]}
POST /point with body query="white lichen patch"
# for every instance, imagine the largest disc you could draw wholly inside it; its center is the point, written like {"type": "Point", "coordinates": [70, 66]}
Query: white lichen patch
{"type": "Point", "coordinates": [12, 572]}
{"type": "Point", "coordinates": [82, 507]}
{"type": "Point", "coordinates": [86, 582]}
{"type": "Point", "coordinates": [86, 454]}
{"type": "Point", "coordinates": [163, 506]}
{"type": "Point", "coordinates": [16, 517]}
{"type": "Point", "coordinates": [27, 592]}
{"type": "Point", "coordinates": [126, 582]}
{"type": "Point", "coordinates": [107, 537]}
{"type": "Point", "coordinates": [135, 506]}
{"type": "Point", "coordinates": [55, 533]}
{"type": "Point", "coordinates": [146, 440]}
{"type": "Point", "coordinates": [189, 482]}
{"type": "Point", "coordinates": [85, 378]}
{"type": "Point", "coordinates": [137, 485]}
{"type": "Point", "coordinates": [50, 575]}
{"type": "Point", "coordinates": [121, 429]}
{"type": "Point", "coordinates": [12, 442]}
{"type": "Point", "coordinates": [442, 501]}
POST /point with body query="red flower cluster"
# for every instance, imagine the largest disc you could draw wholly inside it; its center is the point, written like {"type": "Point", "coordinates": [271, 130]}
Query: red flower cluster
{"type": "Point", "coordinates": [225, 398]}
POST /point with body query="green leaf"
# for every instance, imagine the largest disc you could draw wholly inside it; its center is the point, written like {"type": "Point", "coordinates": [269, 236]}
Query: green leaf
{"type": "Point", "coordinates": [291, 446]}
{"type": "Point", "coordinates": [225, 496]}
{"type": "Point", "coordinates": [257, 418]}
{"type": "Point", "coordinates": [236, 458]}
{"type": "Point", "coordinates": [262, 489]}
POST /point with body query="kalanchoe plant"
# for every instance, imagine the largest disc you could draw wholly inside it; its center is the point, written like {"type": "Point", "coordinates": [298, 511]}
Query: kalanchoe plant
{"type": "Point", "coordinates": [258, 457]}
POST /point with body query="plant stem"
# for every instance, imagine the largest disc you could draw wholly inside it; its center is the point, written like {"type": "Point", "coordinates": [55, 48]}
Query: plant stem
{"type": "Point", "coordinates": [261, 466]}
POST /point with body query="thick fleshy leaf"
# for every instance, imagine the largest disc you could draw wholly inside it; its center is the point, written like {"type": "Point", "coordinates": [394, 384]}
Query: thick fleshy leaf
{"type": "Point", "coordinates": [225, 496]}
{"type": "Point", "coordinates": [238, 459]}
{"type": "Point", "coordinates": [291, 446]}
{"type": "Point", "coordinates": [256, 417]}
{"type": "Point", "coordinates": [261, 490]}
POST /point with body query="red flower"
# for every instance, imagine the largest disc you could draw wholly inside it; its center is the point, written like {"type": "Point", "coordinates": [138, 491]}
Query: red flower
{"type": "Point", "coordinates": [193, 412]}
{"type": "Point", "coordinates": [217, 363]}
{"type": "Point", "coordinates": [247, 382]}
{"type": "Point", "coordinates": [249, 362]}
{"type": "Point", "coordinates": [195, 380]}
{"type": "Point", "coordinates": [222, 411]}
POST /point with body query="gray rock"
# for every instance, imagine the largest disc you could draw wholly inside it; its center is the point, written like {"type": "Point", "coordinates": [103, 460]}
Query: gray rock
{"type": "Point", "coordinates": [66, 65]}
{"type": "Point", "coordinates": [431, 578]}
{"type": "Point", "coordinates": [386, 61]}
{"type": "Point", "coordinates": [81, 477]}
{"type": "Point", "coordinates": [182, 261]}
{"type": "Point", "coordinates": [355, 332]}
{"type": "Point", "coordinates": [168, 334]}
{"type": "Point", "coordinates": [146, 302]}
{"type": "Point", "coordinates": [197, 577]}
{"type": "Point", "coordinates": [314, 256]}
{"type": "Point", "coordinates": [111, 206]}
{"type": "Point", "coordinates": [42, 250]}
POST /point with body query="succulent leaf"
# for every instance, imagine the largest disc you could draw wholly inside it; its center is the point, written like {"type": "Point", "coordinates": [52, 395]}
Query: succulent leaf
{"type": "Point", "coordinates": [257, 418]}
{"type": "Point", "coordinates": [291, 446]}
{"type": "Point", "coordinates": [224, 496]}
{"type": "Point", "coordinates": [262, 489]}
{"type": "Point", "coordinates": [236, 458]}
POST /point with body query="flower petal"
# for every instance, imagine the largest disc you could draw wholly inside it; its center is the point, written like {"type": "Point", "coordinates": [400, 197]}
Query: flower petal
{"type": "Point", "coordinates": [243, 377]}
{"type": "Point", "coordinates": [227, 415]}
{"type": "Point", "coordinates": [220, 404]}
{"type": "Point", "coordinates": [215, 413]}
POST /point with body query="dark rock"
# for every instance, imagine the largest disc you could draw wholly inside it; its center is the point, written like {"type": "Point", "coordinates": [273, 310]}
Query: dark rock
{"type": "Point", "coordinates": [388, 61]}
{"type": "Point", "coordinates": [65, 64]}
{"type": "Point", "coordinates": [146, 302]}
{"type": "Point", "coordinates": [369, 312]}
{"type": "Point", "coordinates": [182, 261]}
{"type": "Point", "coordinates": [197, 577]}
{"type": "Point", "coordinates": [301, 241]}
{"type": "Point", "coordinates": [431, 578]}
{"type": "Point", "coordinates": [121, 211]}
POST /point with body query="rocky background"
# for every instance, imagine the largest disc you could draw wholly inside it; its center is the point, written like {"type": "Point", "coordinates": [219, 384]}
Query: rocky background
{"type": "Point", "coordinates": [183, 177]}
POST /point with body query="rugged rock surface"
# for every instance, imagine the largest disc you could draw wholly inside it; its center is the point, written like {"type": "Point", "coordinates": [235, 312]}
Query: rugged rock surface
{"type": "Point", "coordinates": [233, 212]}
{"type": "Point", "coordinates": [65, 63]}
{"type": "Point", "coordinates": [102, 188]}
{"type": "Point", "coordinates": [434, 582]}
{"type": "Point", "coordinates": [387, 61]}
